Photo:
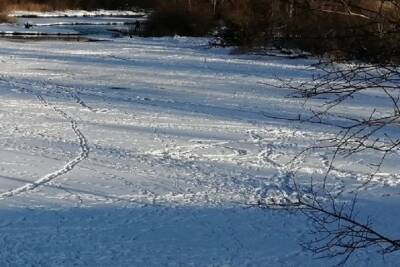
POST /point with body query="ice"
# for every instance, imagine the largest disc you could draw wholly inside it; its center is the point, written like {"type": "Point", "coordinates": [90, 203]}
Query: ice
{"type": "Point", "coordinates": [77, 13]}
{"type": "Point", "coordinates": [146, 152]}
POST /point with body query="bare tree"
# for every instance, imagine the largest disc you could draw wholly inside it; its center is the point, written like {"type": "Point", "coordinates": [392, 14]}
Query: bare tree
{"type": "Point", "coordinates": [358, 133]}
{"type": "Point", "coordinates": [338, 230]}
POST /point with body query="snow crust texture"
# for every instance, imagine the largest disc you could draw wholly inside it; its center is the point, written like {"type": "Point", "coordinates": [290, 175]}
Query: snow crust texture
{"type": "Point", "coordinates": [145, 152]}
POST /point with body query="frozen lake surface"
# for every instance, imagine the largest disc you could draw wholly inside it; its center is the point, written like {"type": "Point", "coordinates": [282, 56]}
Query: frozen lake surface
{"type": "Point", "coordinates": [147, 152]}
{"type": "Point", "coordinates": [96, 24]}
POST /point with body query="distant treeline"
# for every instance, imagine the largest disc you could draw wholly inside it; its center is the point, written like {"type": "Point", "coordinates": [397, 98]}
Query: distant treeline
{"type": "Point", "coordinates": [351, 29]}
{"type": "Point", "coordinates": [356, 29]}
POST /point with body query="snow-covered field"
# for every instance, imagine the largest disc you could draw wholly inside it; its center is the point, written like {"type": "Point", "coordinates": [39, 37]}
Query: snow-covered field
{"type": "Point", "coordinates": [145, 152]}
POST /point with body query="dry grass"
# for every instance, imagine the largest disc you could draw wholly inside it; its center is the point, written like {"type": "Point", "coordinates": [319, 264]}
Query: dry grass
{"type": "Point", "coordinates": [29, 7]}
{"type": "Point", "coordinates": [5, 19]}
{"type": "Point", "coordinates": [32, 5]}
{"type": "Point", "coordinates": [7, 6]}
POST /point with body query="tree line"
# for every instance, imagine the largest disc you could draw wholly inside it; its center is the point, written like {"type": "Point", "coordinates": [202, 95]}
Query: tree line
{"type": "Point", "coordinates": [347, 29]}
{"type": "Point", "coordinates": [367, 30]}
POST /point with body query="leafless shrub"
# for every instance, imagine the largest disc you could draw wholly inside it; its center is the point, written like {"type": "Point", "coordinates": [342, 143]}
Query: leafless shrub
{"type": "Point", "coordinates": [337, 231]}
{"type": "Point", "coordinates": [338, 84]}
{"type": "Point", "coordinates": [180, 18]}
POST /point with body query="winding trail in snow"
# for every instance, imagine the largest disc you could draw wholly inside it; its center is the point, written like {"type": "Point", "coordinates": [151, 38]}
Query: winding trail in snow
{"type": "Point", "coordinates": [84, 154]}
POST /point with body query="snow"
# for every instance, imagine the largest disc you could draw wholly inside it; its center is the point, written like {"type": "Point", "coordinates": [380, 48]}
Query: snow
{"type": "Point", "coordinates": [145, 151]}
{"type": "Point", "coordinates": [12, 30]}
{"type": "Point", "coordinates": [52, 25]}
{"type": "Point", "coordinates": [77, 13]}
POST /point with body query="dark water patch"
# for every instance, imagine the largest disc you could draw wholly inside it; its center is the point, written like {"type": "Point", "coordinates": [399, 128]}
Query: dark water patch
{"type": "Point", "coordinates": [104, 26]}
{"type": "Point", "coordinates": [82, 16]}
{"type": "Point", "coordinates": [36, 34]}
{"type": "Point", "coordinates": [84, 24]}
{"type": "Point", "coordinates": [29, 38]}
{"type": "Point", "coordinates": [119, 88]}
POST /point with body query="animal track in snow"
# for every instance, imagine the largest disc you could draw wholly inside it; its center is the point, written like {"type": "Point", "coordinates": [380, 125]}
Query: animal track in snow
{"type": "Point", "coordinates": [83, 144]}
